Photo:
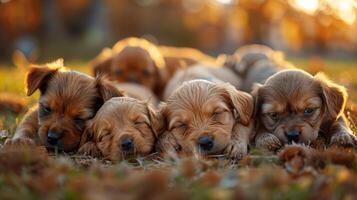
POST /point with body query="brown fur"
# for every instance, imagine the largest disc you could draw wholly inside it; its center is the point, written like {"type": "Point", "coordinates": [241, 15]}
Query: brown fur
{"type": "Point", "coordinates": [123, 118]}
{"type": "Point", "coordinates": [293, 100]}
{"type": "Point", "coordinates": [68, 99]}
{"type": "Point", "coordinates": [133, 60]}
{"type": "Point", "coordinates": [201, 108]}
{"type": "Point", "coordinates": [139, 92]}
{"type": "Point", "coordinates": [201, 71]}
{"type": "Point", "coordinates": [182, 57]}
{"type": "Point", "coordinates": [255, 63]}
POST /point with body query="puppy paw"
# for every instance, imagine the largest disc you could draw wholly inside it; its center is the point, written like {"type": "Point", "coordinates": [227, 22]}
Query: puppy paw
{"type": "Point", "coordinates": [19, 143]}
{"type": "Point", "coordinates": [89, 149]}
{"type": "Point", "coordinates": [236, 150]}
{"type": "Point", "coordinates": [343, 140]}
{"type": "Point", "coordinates": [269, 142]}
{"type": "Point", "coordinates": [167, 143]}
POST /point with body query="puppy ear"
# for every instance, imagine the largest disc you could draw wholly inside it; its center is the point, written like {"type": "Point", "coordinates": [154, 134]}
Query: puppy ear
{"type": "Point", "coordinates": [107, 89]}
{"type": "Point", "coordinates": [334, 95]}
{"type": "Point", "coordinates": [38, 76]}
{"type": "Point", "coordinates": [256, 97]}
{"type": "Point", "coordinates": [242, 102]}
{"type": "Point", "coordinates": [87, 134]}
{"type": "Point", "coordinates": [156, 120]}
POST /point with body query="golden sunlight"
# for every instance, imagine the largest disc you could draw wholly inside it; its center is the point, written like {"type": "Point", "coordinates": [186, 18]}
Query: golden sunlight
{"type": "Point", "coordinates": [308, 6]}
{"type": "Point", "coordinates": [345, 10]}
{"type": "Point", "coordinates": [225, 1]}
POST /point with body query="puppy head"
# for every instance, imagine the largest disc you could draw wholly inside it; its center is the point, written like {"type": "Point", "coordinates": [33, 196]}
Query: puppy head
{"type": "Point", "coordinates": [201, 115]}
{"type": "Point", "coordinates": [293, 105]}
{"type": "Point", "coordinates": [137, 61]}
{"type": "Point", "coordinates": [125, 127]}
{"type": "Point", "coordinates": [68, 99]}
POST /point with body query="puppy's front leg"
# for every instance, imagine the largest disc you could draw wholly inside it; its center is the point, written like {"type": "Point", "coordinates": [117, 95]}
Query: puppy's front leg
{"type": "Point", "coordinates": [341, 134]}
{"type": "Point", "coordinates": [27, 131]}
{"type": "Point", "coordinates": [267, 141]}
{"type": "Point", "coordinates": [90, 149]}
{"type": "Point", "coordinates": [238, 146]}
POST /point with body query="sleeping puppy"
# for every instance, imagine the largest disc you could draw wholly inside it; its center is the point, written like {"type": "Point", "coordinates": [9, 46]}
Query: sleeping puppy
{"type": "Point", "coordinates": [207, 118]}
{"type": "Point", "coordinates": [293, 106]}
{"type": "Point", "coordinates": [133, 60]}
{"type": "Point", "coordinates": [67, 100]}
{"type": "Point", "coordinates": [255, 63]}
{"type": "Point", "coordinates": [122, 128]}
{"type": "Point", "coordinates": [201, 71]}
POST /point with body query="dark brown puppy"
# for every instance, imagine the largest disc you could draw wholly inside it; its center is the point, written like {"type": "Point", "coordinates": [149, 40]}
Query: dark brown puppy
{"type": "Point", "coordinates": [293, 106]}
{"type": "Point", "coordinates": [123, 127]}
{"type": "Point", "coordinates": [68, 99]}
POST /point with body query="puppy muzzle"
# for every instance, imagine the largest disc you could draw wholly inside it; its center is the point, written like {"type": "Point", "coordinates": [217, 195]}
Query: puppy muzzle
{"type": "Point", "coordinates": [205, 143]}
{"type": "Point", "coordinates": [293, 135]}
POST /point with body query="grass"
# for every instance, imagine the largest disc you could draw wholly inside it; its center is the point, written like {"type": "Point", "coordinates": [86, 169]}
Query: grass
{"type": "Point", "coordinates": [36, 174]}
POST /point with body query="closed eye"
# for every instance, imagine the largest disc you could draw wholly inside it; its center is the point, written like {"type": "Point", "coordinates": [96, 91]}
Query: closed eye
{"type": "Point", "coordinates": [179, 126]}
{"type": "Point", "coordinates": [218, 112]}
{"type": "Point", "coordinates": [104, 135]}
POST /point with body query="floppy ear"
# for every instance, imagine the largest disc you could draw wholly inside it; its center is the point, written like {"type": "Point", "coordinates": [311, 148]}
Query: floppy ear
{"type": "Point", "coordinates": [334, 95]}
{"type": "Point", "coordinates": [156, 120]}
{"type": "Point", "coordinates": [242, 102]}
{"type": "Point", "coordinates": [38, 76]}
{"type": "Point", "coordinates": [87, 135]}
{"type": "Point", "coordinates": [107, 89]}
{"type": "Point", "coordinates": [256, 97]}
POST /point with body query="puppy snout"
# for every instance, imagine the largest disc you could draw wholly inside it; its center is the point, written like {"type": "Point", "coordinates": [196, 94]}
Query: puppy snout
{"type": "Point", "coordinates": [54, 137]}
{"type": "Point", "coordinates": [127, 144]}
{"type": "Point", "coordinates": [205, 143]}
{"type": "Point", "coordinates": [293, 135]}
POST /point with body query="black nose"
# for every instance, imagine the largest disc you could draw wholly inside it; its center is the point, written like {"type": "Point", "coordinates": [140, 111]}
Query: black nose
{"type": "Point", "coordinates": [205, 143]}
{"type": "Point", "coordinates": [53, 137]}
{"type": "Point", "coordinates": [293, 135]}
{"type": "Point", "coordinates": [127, 144]}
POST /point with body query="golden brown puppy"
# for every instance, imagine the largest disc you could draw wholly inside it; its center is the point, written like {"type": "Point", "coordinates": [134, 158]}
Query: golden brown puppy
{"type": "Point", "coordinates": [123, 127]}
{"type": "Point", "coordinates": [207, 117]}
{"type": "Point", "coordinates": [201, 71]}
{"type": "Point", "coordinates": [293, 106]}
{"type": "Point", "coordinates": [133, 60]}
{"type": "Point", "coordinates": [68, 99]}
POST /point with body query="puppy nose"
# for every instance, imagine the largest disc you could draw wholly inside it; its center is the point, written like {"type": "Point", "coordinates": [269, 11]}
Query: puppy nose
{"type": "Point", "coordinates": [127, 144]}
{"type": "Point", "coordinates": [205, 142]}
{"type": "Point", "coordinates": [293, 135]}
{"type": "Point", "coordinates": [53, 137]}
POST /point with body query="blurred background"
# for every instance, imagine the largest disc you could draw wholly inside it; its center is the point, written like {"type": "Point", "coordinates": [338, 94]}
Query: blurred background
{"type": "Point", "coordinates": [78, 29]}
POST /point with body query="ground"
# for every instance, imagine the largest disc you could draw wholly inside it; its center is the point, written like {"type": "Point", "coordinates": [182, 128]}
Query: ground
{"type": "Point", "coordinates": [289, 174]}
